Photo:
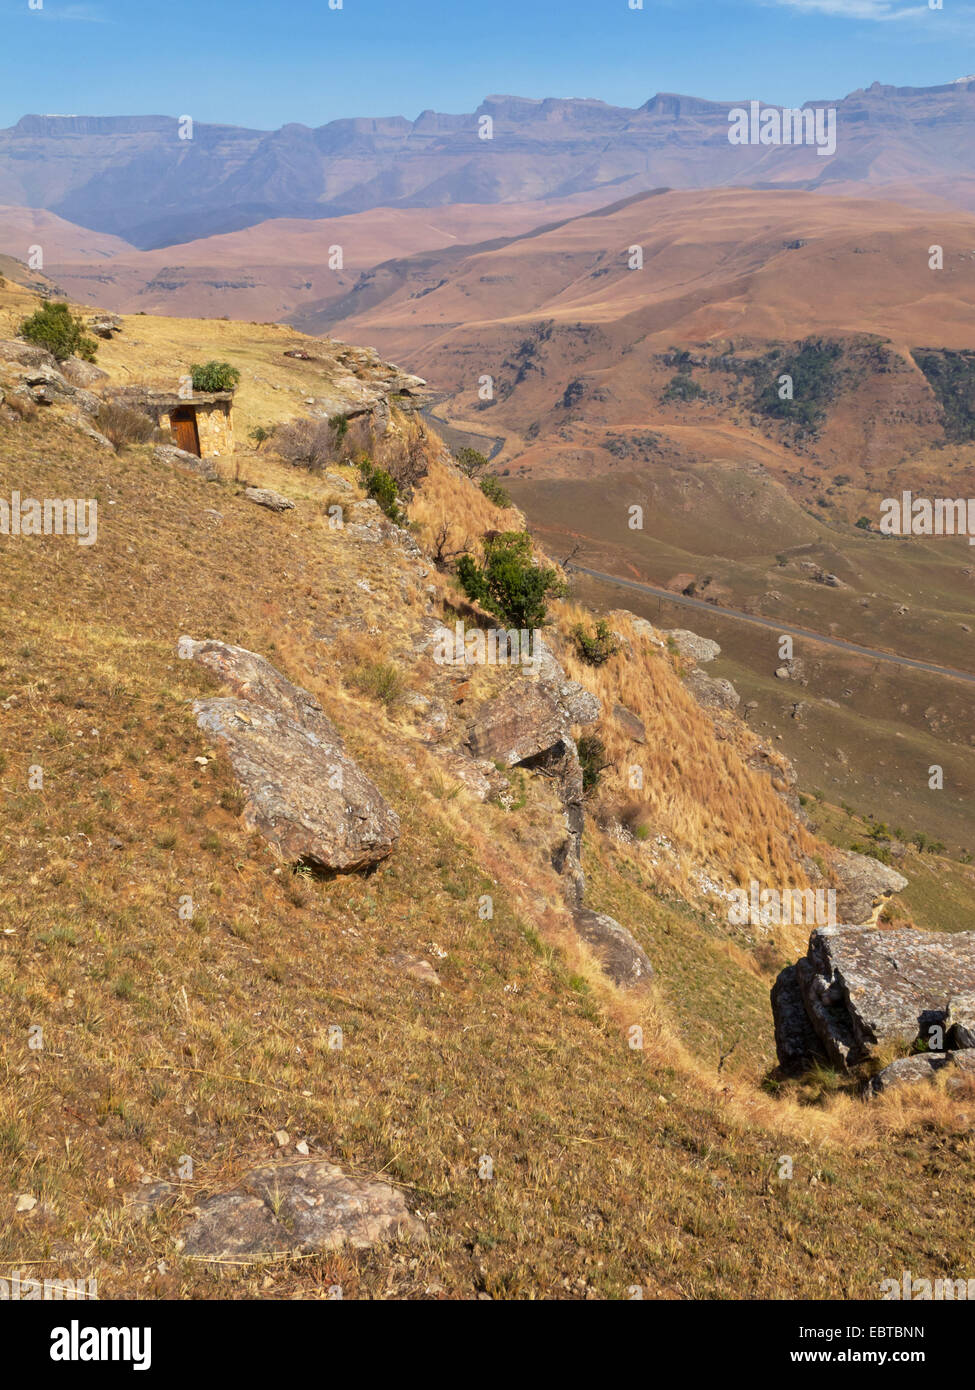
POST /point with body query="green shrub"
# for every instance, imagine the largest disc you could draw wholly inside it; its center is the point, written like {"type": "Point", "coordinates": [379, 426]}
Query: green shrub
{"type": "Point", "coordinates": [494, 492]}
{"type": "Point", "coordinates": [214, 376]}
{"type": "Point", "coordinates": [592, 756]}
{"type": "Point", "coordinates": [61, 333]}
{"type": "Point", "coordinates": [682, 388]}
{"type": "Point", "coordinates": [509, 584]}
{"type": "Point", "coordinates": [596, 646]}
{"type": "Point", "coordinates": [381, 487]}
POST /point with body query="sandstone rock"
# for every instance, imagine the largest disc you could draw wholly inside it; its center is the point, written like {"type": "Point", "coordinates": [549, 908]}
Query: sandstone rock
{"type": "Point", "coordinates": [863, 885]}
{"type": "Point", "coordinates": [480, 777]}
{"type": "Point", "coordinates": [923, 1066]}
{"type": "Point", "coordinates": [578, 705]}
{"type": "Point", "coordinates": [189, 463]}
{"type": "Point", "coordinates": [960, 1022]}
{"type": "Point", "coordinates": [305, 795]}
{"type": "Point", "coordinates": [622, 958]}
{"type": "Point", "coordinates": [412, 965]}
{"type": "Point", "coordinates": [526, 724]}
{"type": "Point", "coordinates": [298, 1207]}
{"type": "Point", "coordinates": [80, 373]}
{"type": "Point", "coordinates": [27, 354]}
{"type": "Point", "coordinates": [864, 989]}
{"type": "Point", "coordinates": [631, 724]}
{"type": "Point", "coordinates": [711, 693]}
{"type": "Point", "coordinates": [264, 497]}
{"type": "Point", "coordinates": [252, 677]}
{"type": "Point", "coordinates": [691, 645]}
{"type": "Point", "coordinates": [105, 325]}
{"type": "Point", "coordinates": [95, 435]}
{"type": "Point", "coordinates": [517, 725]}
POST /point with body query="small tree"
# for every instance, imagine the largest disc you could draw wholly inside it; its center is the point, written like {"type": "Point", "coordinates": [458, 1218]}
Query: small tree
{"type": "Point", "coordinates": [470, 461]}
{"type": "Point", "coordinates": [61, 333]}
{"type": "Point", "coordinates": [509, 583]}
{"type": "Point", "coordinates": [214, 376]}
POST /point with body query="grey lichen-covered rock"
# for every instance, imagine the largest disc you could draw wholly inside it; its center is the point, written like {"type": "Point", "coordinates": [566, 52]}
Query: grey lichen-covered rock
{"type": "Point", "coordinates": [105, 325]}
{"type": "Point", "coordinates": [265, 497]}
{"type": "Point", "coordinates": [81, 373]}
{"type": "Point", "coordinates": [864, 884]}
{"type": "Point", "coordinates": [578, 705]}
{"type": "Point", "coordinates": [298, 1207]}
{"type": "Point", "coordinates": [305, 795]}
{"type": "Point", "coordinates": [620, 955]}
{"type": "Point", "coordinates": [189, 463]}
{"type": "Point", "coordinates": [520, 723]}
{"type": "Point", "coordinates": [528, 725]}
{"type": "Point", "coordinates": [712, 693]}
{"type": "Point", "coordinates": [960, 1022]}
{"type": "Point", "coordinates": [863, 990]}
{"type": "Point", "coordinates": [691, 645]}
{"type": "Point", "coordinates": [923, 1066]}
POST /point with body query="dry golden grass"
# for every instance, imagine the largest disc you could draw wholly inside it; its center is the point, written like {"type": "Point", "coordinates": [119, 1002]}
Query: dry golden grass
{"type": "Point", "coordinates": [163, 1037]}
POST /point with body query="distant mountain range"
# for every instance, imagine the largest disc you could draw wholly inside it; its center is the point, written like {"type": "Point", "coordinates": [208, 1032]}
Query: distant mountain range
{"type": "Point", "coordinates": [135, 177]}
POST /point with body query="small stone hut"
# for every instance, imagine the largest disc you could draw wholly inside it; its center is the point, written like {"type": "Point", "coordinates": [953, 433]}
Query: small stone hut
{"type": "Point", "coordinates": [201, 424]}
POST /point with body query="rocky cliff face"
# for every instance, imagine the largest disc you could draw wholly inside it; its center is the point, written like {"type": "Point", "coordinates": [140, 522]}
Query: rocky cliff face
{"type": "Point", "coordinates": [123, 166]}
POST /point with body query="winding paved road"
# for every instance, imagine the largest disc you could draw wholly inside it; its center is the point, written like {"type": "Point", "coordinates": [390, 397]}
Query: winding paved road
{"type": "Point", "coordinates": [805, 632]}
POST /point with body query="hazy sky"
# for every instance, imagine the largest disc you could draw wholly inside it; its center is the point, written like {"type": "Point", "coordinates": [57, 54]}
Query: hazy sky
{"type": "Point", "coordinates": [266, 62]}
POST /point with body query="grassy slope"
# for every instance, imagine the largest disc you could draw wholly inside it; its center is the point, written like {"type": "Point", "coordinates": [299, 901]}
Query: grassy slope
{"type": "Point", "coordinates": [613, 1167]}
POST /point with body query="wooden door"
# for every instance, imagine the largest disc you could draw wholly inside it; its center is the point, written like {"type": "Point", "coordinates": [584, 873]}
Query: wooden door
{"type": "Point", "coordinates": [187, 436]}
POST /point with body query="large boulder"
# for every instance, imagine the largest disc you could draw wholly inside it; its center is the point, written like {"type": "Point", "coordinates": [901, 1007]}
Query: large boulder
{"type": "Point", "coordinates": [689, 644]}
{"type": "Point", "coordinates": [267, 497]}
{"type": "Point", "coordinates": [712, 693]}
{"type": "Point", "coordinates": [528, 725]}
{"type": "Point", "coordinates": [617, 950]}
{"type": "Point", "coordinates": [924, 1066]}
{"type": "Point", "coordinates": [517, 725]}
{"type": "Point", "coordinates": [298, 1207]}
{"type": "Point", "coordinates": [864, 885]}
{"type": "Point", "coordinates": [81, 373]}
{"type": "Point", "coordinates": [863, 990]}
{"type": "Point", "coordinates": [305, 795]}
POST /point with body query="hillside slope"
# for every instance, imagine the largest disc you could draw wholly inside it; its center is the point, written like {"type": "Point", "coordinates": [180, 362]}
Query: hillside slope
{"type": "Point", "coordinates": [209, 1035]}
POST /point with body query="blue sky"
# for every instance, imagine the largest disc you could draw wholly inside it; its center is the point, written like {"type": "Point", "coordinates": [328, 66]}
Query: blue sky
{"type": "Point", "coordinates": [266, 62]}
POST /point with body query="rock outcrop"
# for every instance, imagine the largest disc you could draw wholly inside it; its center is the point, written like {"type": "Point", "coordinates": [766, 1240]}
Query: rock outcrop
{"type": "Point", "coordinates": [305, 795]}
{"type": "Point", "coordinates": [864, 886]}
{"type": "Point", "coordinates": [189, 463]}
{"type": "Point", "coordinates": [689, 644]}
{"type": "Point", "coordinates": [529, 725]}
{"type": "Point", "coordinates": [623, 959]}
{"type": "Point", "coordinates": [859, 990]}
{"type": "Point", "coordinates": [712, 693]}
{"type": "Point", "coordinates": [266, 497]}
{"type": "Point", "coordinates": [298, 1207]}
{"type": "Point", "coordinates": [924, 1066]}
